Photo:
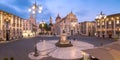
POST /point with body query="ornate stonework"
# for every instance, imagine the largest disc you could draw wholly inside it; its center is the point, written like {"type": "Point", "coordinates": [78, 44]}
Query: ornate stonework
{"type": "Point", "coordinates": [67, 22]}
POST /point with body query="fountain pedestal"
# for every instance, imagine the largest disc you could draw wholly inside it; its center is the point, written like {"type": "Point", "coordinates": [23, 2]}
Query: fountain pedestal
{"type": "Point", "coordinates": [63, 42]}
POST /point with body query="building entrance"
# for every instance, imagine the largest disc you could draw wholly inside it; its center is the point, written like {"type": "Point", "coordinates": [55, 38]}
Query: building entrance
{"type": "Point", "coordinates": [71, 32]}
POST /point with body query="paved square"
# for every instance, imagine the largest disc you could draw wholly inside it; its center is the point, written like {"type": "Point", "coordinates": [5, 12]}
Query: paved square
{"type": "Point", "coordinates": [20, 49]}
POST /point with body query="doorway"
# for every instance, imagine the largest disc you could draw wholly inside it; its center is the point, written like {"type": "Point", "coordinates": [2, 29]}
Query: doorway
{"type": "Point", "coordinates": [71, 32]}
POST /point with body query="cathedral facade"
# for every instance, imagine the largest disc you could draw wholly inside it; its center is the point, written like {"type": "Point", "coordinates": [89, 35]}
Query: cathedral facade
{"type": "Point", "coordinates": [69, 24]}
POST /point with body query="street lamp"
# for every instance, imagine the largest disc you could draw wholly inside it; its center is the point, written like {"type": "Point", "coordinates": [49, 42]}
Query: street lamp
{"type": "Point", "coordinates": [73, 25]}
{"type": "Point", "coordinates": [34, 9]}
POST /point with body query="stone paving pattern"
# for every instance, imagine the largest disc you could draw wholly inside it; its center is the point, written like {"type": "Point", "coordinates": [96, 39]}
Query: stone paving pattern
{"type": "Point", "coordinates": [20, 49]}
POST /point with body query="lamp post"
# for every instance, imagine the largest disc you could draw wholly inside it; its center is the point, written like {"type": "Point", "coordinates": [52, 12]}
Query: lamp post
{"type": "Point", "coordinates": [34, 9]}
{"type": "Point", "coordinates": [102, 18]}
{"type": "Point", "coordinates": [73, 25]}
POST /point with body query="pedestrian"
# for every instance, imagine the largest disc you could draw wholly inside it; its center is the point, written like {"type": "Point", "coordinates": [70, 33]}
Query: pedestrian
{"type": "Point", "coordinates": [74, 39]}
{"type": "Point", "coordinates": [70, 42]}
{"type": "Point", "coordinates": [68, 37]}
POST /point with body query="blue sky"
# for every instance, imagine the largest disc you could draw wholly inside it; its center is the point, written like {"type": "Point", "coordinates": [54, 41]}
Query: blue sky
{"type": "Point", "coordinates": [85, 10]}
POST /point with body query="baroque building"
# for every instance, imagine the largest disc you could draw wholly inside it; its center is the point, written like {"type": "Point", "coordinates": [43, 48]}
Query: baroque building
{"type": "Point", "coordinates": [87, 28]}
{"type": "Point", "coordinates": [108, 26]}
{"type": "Point", "coordinates": [30, 27]}
{"type": "Point", "coordinates": [27, 28]}
{"type": "Point", "coordinates": [33, 25]}
{"type": "Point", "coordinates": [69, 24]}
{"type": "Point", "coordinates": [10, 26]}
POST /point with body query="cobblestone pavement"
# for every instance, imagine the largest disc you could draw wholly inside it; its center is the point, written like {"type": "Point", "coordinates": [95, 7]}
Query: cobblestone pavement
{"type": "Point", "coordinates": [20, 49]}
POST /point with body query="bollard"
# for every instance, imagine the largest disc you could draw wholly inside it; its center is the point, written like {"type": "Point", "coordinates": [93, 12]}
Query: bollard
{"type": "Point", "coordinates": [5, 58]}
{"type": "Point", "coordinates": [11, 58]}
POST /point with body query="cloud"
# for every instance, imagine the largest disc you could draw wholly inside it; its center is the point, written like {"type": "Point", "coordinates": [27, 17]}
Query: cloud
{"type": "Point", "coordinates": [82, 13]}
{"type": "Point", "coordinates": [63, 7]}
{"type": "Point", "coordinates": [45, 15]}
{"type": "Point", "coordinates": [84, 9]}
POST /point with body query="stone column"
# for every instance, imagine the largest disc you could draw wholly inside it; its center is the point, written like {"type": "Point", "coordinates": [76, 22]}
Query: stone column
{"type": "Point", "coordinates": [1, 35]}
{"type": "Point", "coordinates": [105, 28]}
{"type": "Point", "coordinates": [86, 29]}
{"type": "Point", "coordinates": [96, 28]}
{"type": "Point", "coordinates": [2, 26]}
{"type": "Point", "coordinates": [114, 32]}
{"type": "Point", "coordinates": [100, 28]}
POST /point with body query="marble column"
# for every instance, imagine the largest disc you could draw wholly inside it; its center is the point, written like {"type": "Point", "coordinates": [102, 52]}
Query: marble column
{"type": "Point", "coordinates": [2, 26]}
{"type": "Point", "coordinates": [100, 28]}
{"type": "Point", "coordinates": [114, 32]}
{"type": "Point", "coordinates": [96, 28]}
{"type": "Point", "coordinates": [105, 28]}
{"type": "Point", "coordinates": [87, 29]}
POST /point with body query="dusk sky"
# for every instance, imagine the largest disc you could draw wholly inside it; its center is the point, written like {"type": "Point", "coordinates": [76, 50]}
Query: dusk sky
{"type": "Point", "coordinates": [85, 10]}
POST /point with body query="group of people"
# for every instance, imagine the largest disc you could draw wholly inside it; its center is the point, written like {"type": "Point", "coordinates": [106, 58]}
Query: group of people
{"type": "Point", "coordinates": [73, 38]}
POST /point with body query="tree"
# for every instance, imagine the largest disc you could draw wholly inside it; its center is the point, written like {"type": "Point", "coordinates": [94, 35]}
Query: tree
{"type": "Point", "coordinates": [45, 27]}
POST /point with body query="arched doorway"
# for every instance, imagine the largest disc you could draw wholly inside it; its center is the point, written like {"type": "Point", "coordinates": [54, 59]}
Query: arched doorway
{"type": "Point", "coordinates": [98, 34]}
{"type": "Point", "coordinates": [6, 27]}
{"type": "Point", "coordinates": [71, 32]}
{"type": "Point", "coordinates": [89, 34]}
{"type": "Point", "coordinates": [103, 34]}
{"type": "Point", "coordinates": [7, 30]}
{"type": "Point", "coordinates": [110, 34]}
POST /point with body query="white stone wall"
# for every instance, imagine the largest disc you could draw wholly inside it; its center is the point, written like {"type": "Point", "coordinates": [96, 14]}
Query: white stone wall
{"type": "Point", "coordinates": [13, 23]}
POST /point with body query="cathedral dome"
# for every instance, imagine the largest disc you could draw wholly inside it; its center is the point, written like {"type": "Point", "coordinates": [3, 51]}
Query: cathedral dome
{"type": "Point", "coordinates": [71, 16]}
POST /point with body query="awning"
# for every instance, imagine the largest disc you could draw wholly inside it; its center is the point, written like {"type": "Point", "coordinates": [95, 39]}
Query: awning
{"type": "Point", "coordinates": [107, 52]}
